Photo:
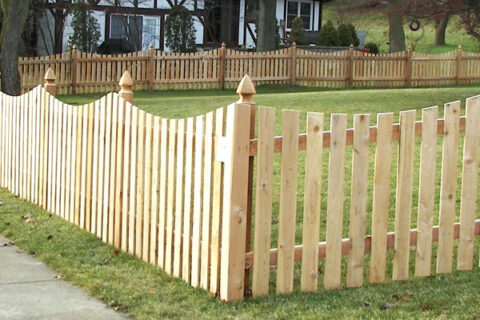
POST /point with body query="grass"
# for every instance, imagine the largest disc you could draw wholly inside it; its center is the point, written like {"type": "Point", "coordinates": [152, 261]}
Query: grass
{"type": "Point", "coordinates": [376, 26]}
{"type": "Point", "coordinates": [146, 292]}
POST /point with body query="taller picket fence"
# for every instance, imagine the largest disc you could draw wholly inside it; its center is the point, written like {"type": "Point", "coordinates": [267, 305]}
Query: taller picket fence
{"type": "Point", "coordinates": [80, 72]}
{"type": "Point", "coordinates": [183, 193]}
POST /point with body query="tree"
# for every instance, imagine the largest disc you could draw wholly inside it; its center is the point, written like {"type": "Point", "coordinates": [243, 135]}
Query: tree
{"type": "Point", "coordinates": [14, 17]}
{"type": "Point", "coordinates": [297, 34]}
{"type": "Point", "coordinates": [85, 28]}
{"type": "Point", "coordinates": [179, 30]}
{"type": "Point", "coordinates": [396, 34]}
{"type": "Point", "coordinates": [440, 29]}
{"type": "Point", "coordinates": [266, 25]}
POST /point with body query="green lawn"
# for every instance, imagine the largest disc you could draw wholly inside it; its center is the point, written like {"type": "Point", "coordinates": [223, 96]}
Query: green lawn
{"type": "Point", "coordinates": [147, 293]}
{"type": "Point", "coordinates": [376, 26]}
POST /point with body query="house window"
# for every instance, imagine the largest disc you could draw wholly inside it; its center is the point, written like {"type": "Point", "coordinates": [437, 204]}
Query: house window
{"type": "Point", "coordinates": [302, 9]}
{"type": "Point", "coordinates": [127, 27]}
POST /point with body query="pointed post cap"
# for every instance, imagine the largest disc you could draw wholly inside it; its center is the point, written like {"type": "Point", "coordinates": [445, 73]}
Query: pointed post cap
{"type": "Point", "coordinates": [294, 44]}
{"type": "Point", "coordinates": [150, 46]}
{"type": "Point", "coordinates": [74, 47]}
{"type": "Point", "coordinates": [351, 46]}
{"type": "Point", "coordinates": [49, 83]}
{"type": "Point", "coordinates": [126, 80]}
{"type": "Point", "coordinates": [246, 90]}
{"type": "Point", "coordinates": [223, 45]}
{"type": "Point", "coordinates": [460, 47]}
{"type": "Point", "coordinates": [50, 75]}
{"type": "Point", "coordinates": [126, 84]}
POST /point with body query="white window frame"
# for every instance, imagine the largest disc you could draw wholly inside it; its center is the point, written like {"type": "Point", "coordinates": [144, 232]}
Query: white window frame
{"type": "Point", "coordinates": [299, 2]}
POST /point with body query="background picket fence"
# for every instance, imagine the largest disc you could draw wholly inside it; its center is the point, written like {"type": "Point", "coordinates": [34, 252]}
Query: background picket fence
{"type": "Point", "coordinates": [80, 72]}
{"type": "Point", "coordinates": [180, 193]}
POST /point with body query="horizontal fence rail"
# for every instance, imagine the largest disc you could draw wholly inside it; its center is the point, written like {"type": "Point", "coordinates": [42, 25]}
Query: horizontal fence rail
{"type": "Point", "coordinates": [80, 72]}
{"type": "Point", "coordinates": [208, 201]}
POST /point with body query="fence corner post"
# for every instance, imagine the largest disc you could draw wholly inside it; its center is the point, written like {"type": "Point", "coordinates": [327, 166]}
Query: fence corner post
{"type": "Point", "coordinates": [293, 62]}
{"type": "Point", "coordinates": [221, 67]}
{"type": "Point", "coordinates": [49, 83]}
{"type": "Point", "coordinates": [459, 65]}
{"type": "Point", "coordinates": [408, 67]}
{"type": "Point", "coordinates": [150, 66]}
{"type": "Point", "coordinates": [350, 66]}
{"type": "Point", "coordinates": [126, 85]}
{"type": "Point", "coordinates": [236, 193]}
{"type": "Point", "coordinates": [73, 69]}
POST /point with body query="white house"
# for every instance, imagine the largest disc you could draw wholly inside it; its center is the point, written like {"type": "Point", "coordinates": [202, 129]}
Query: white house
{"type": "Point", "coordinates": [215, 21]}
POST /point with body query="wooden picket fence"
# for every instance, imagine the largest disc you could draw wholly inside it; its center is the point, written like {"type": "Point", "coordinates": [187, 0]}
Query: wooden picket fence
{"type": "Point", "coordinates": [80, 72]}
{"type": "Point", "coordinates": [180, 193]}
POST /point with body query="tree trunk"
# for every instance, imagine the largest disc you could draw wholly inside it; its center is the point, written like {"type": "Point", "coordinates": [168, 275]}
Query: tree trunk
{"type": "Point", "coordinates": [395, 27]}
{"type": "Point", "coordinates": [266, 25]}
{"type": "Point", "coordinates": [440, 29]}
{"type": "Point", "coordinates": [13, 24]}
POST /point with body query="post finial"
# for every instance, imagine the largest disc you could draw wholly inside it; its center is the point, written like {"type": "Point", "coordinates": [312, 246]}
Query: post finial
{"type": "Point", "coordinates": [460, 47]}
{"type": "Point", "coordinates": [294, 44]}
{"type": "Point", "coordinates": [410, 48]}
{"type": "Point", "coordinates": [49, 83]}
{"type": "Point", "coordinates": [150, 46]}
{"type": "Point", "coordinates": [246, 90]}
{"type": "Point", "coordinates": [126, 85]}
{"type": "Point", "coordinates": [74, 47]}
{"type": "Point", "coordinates": [223, 44]}
{"type": "Point", "coordinates": [352, 46]}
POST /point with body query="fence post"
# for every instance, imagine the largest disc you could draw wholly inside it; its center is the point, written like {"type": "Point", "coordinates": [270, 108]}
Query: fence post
{"type": "Point", "coordinates": [49, 83]}
{"type": "Point", "coordinates": [246, 91]}
{"type": "Point", "coordinates": [73, 68]}
{"type": "Point", "coordinates": [459, 65]}
{"type": "Point", "coordinates": [350, 66]}
{"type": "Point", "coordinates": [221, 66]}
{"type": "Point", "coordinates": [408, 68]}
{"type": "Point", "coordinates": [235, 155]}
{"type": "Point", "coordinates": [150, 67]}
{"type": "Point", "coordinates": [126, 85]}
{"type": "Point", "coordinates": [293, 67]}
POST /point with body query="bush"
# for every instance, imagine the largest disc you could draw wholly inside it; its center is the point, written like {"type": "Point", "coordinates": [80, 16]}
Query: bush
{"type": "Point", "coordinates": [353, 33]}
{"type": "Point", "coordinates": [328, 35]}
{"type": "Point", "coordinates": [179, 30]}
{"type": "Point", "coordinates": [297, 34]}
{"type": "Point", "coordinates": [372, 46]}
{"type": "Point", "coordinates": [344, 36]}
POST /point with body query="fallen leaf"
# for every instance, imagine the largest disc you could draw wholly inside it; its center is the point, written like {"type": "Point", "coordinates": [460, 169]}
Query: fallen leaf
{"type": "Point", "coordinates": [116, 251]}
{"type": "Point", "coordinates": [57, 277]}
{"type": "Point", "coordinates": [8, 244]}
{"type": "Point", "coordinates": [366, 304]}
{"type": "Point", "coordinates": [426, 307]}
{"type": "Point", "coordinates": [1, 203]}
{"type": "Point", "coordinates": [27, 219]}
{"type": "Point", "coordinates": [152, 291]}
{"type": "Point", "coordinates": [106, 261]}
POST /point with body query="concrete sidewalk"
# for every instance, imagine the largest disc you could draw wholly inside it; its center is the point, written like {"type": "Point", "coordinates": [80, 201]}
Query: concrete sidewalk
{"type": "Point", "coordinates": [30, 290]}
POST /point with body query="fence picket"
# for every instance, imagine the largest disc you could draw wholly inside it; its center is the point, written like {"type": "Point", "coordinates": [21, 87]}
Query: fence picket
{"type": "Point", "coordinates": [140, 183]}
{"type": "Point", "coordinates": [448, 188]}
{"type": "Point", "coordinates": [147, 189]}
{"type": "Point", "coordinates": [336, 177]}
{"type": "Point", "coordinates": [179, 197]}
{"type": "Point", "coordinates": [468, 205]}
{"type": "Point", "coordinates": [263, 201]}
{"type": "Point", "coordinates": [312, 201]}
{"type": "Point", "coordinates": [197, 200]}
{"type": "Point", "coordinates": [207, 197]}
{"type": "Point", "coordinates": [426, 192]}
{"type": "Point", "coordinates": [288, 201]}
{"type": "Point", "coordinates": [187, 213]}
{"type": "Point", "coordinates": [172, 141]}
{"type": "Point", "coordinates": [403, 203]}
{"type": "Point", "coordinates": [359, 198]}
{"type": "Point", "coordinates": [155, 190]}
